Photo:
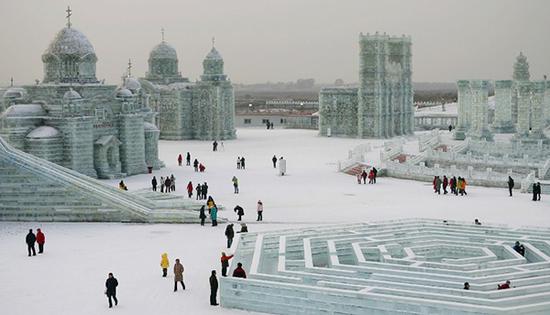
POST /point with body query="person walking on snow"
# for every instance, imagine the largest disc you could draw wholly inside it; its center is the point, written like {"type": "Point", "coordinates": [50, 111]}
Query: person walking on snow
{"type": "Point", "coordinates": [178, 275]}
{"type": "Point", "coordinates": [196, 165]}
{"type": "Point", "coordinates": [240, 212]}
{"type": "Point", "coordinates": [445, 184]}
{"type": "Point", "coordinates": [190, 189]}
{"type": "Point", "coordinates": [214, 215]}
{"type": "Point", "coordinates": [213, 288]}
{"type": "Point", "coordinates": [229, 233]}
{"type": "Point", "coordinates": [453, 186]}
{"type": "Point", "coordinates": [202, 215]}
{"type": "Point", "coordinates": [371, 177]}
{"type": "Point", "coordinates": [359, 176]}
{"type": "Point", "coordinates": [235, 184]}
{"type": "Point", "coordinates": [260, 210]}
{"type": "Point", "coordinates": [225, 263]}
{"type": "Point", "coordinates": [375, 171]}
{"type": "Point", "coordinates": [180, 159]}
{"type": "Point", "coordinates": [274, 160]}
{"type": "Point", "coordinates": [364, 176]}
{"type": "Point", "coordinates": [110, 289]}
{"type": "Point", "coordinates": [201, 168]}
{"type": "Point", "coordinates": [188, 159]}
{"type": "Point", "coordinates": [154, 183]}
{"type": "Point", "coordinates": [30, 240]}
{"type": "Point", "coordinates": [510, 185]}
{"type": "Point", "coordinates": [242, 163]}
{"type": "Point", "coordinates": [161, 184]}
{"type": "Point", "coordinates": [164, 264]}
{"type": "Point", "coordinates": [167, 185]}
{"type": "Point", "coordinates": [172, 183]}
{"type": "Point", "coordinates": [204, 190]}
{"type": "Point", "coordinates": [238, 162]}
{"type": "Point", "coordinates": [215, 146]}
{"type": "Point", "coordinates": [40, 239]}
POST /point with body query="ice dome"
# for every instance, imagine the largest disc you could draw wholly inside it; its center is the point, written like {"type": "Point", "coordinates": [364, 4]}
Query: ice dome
{"type": "Point", "coordinates": [71, 42]}
{"type": "Point", "coordinates": [149, 127]}
{"type": "Point", "coordinates": [124, 92]}
{"type": "Point", "coordinates": [25, 110]}
{"type": "Point", "coordinates": [163, 51]}
{"type": "Point", "coordinates": [15, 92]}
{"type": "Point", "coordinates": [214, 54]}
{"type": "Point", "coordinates": [71, 95]}
{"type": "Point", "coordinates": [132, 84]}
{"type": "Point", "coordinates": [43, 132]}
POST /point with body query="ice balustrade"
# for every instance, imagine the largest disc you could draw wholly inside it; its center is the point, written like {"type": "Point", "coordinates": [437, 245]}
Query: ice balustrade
{"type": "Point", "coordinates": [413, 266]}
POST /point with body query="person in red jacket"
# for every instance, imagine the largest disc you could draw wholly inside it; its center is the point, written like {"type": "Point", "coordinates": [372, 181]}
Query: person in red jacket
{"type": "Point", "coordinates": [505, 285]}
{"type": "Point", "coordinates": [180, 159]}
{"type": "Point", "coordinates": [40, 239]}
{"type": "Point", "coordinates": [239, 271]}
{"type": "Point", "coordinates": [371, 177]}
{"type": "Point", "coordinates": [190, 189]}
{"type": "Point", "coordinates": [225, 263]}
{"type": "Point", "coordinates": [201, 168]}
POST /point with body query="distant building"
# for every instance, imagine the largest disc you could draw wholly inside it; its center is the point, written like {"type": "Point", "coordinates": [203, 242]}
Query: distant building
{"type": "Point", "coordinates": [72, 119]}
{"type": "Point", "coordinates": [382, 106]}
{"type": "Point", "coordinates": [295, 114]}
{"type": "Point", "coordinates": [203, 110]}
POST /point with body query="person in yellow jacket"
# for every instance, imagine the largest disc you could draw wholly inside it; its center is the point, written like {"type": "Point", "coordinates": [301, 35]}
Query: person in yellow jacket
{"type": "Point", "coordinates": [164, 264]}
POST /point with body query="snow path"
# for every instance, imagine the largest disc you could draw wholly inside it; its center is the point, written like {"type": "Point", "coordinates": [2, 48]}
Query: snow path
{"type": "Point", "coordinates": [69, 278]}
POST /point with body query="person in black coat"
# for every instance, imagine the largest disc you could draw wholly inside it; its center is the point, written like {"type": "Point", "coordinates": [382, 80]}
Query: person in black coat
{"type": "Point", "coordinates": [202, 215]}
{"type": "Point", "coordinates": [229, 233]}
{"type": "Point", "coordinates": [242, 163]}
{"type": "Point", "coordinates": [154, 183]}
{"type": "Point", "coordinates": [110, 291]}
{"type": "Point", "coordinates": [204, 190]}
{"type": "Point", "coordinates": [196, 165]}
{"type": "Point", "coordinates": [240, 212]}
{"type": "Point", "coordinates": [539, 191]}
{"type": "Point", "coordinates": [30, 240]}
{"type": "Point", "coordinates": [510, 184]}
{"type": "Point", "coordinates": [188, 159]}
{"type": "Point", "coordinates": [535, 189]}
{"type": "Point", "coordinates": [375, 172]}
{"type": "Point", "coordinates": [213, 288]}
{"type": "Point", "coordinates": [274, 160]}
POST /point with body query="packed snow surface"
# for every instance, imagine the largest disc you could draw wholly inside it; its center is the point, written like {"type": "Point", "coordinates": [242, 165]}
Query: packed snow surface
{"type": "Point", "coordinates": [70, 277]}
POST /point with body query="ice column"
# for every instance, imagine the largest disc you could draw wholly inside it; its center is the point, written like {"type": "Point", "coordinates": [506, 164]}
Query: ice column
{"type": "Point", "coordinates": [524, 105]}
{"type": "Point", "coordinates": [480, 110]}
{"type": "Point", "coordinates": [464, 101]}
{"type": "Point", "coordinates": [503, 107]}
{"type": "Point", "coordinates": [537, 118]}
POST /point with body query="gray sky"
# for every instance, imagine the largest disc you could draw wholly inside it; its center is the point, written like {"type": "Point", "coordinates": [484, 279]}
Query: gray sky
{"type": "Point", "coordinates": [282, 40]}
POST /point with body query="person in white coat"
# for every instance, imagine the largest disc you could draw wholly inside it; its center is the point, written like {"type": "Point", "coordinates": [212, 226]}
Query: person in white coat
{"type": "Point", "coordinates": [282, 166]}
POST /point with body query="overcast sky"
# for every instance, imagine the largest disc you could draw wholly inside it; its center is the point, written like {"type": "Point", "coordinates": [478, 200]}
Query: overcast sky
{"type": "Point", "coordinates": [283, 40]}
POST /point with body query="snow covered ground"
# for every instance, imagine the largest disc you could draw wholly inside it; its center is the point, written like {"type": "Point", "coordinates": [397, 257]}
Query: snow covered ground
{"type": "Point", "coordinates": [69, 278]}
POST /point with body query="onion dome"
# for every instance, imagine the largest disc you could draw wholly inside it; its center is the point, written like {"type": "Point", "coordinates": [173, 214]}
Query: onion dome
{"type": "Point", "coordinates": [163, 51]}
{"type": "Point", "coordinates": [43, 132]}
{"type": "Point", "coordinates": [71, 95]}
{"type": "Point", "coordinates": [132, 84]}
{"type": "Point", "coordinates": [124, 93]}
{"type": "Point", "coordinates": [24, 111]}
{"type": "Point", "coordinates": [70, 42]}
{"type": "Point", "coordinates": [214, 54]}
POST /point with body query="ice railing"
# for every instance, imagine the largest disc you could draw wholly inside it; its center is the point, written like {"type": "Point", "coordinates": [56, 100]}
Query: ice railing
{"type": "Point", "coordinates": [412, 265]}
{"type": "Point", "coordinates": [355, 155]}
{"type": "Point", "coordinates": [82, 183]}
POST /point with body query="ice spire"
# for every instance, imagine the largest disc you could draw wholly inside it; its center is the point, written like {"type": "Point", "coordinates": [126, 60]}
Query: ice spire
{"type": "Point", "coordinates": [69, 13]}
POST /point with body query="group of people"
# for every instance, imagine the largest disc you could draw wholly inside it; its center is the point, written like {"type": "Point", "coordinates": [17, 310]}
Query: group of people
{"type": "Point", "coordinates": [362, 177]}
{"type": "Point", "coordinates": [456, 185]}
{"type": "Point", "coordinates": [215, 146]}
{"type": "Point", "coordinates": [505, 285]}
{"type": "Point", "coordinates": [202, 190]}
{"type": "Point", "coordinates": [31, 239]}
{"type": "Point", "coordinates": [536, 191]}
{"type": "Point", "coordinates": [212, 211]}
{"type": "Point", "coordinates": [230, 232]}
{"type": "Point", "coordinates": [269, 125]}
{"type": "Point", "coordinates": [122, 185]}
{"type": "Point", "coordinates": [167, 184]}
{"type": "Point", "coordinates": [241, 163]}
{"type": "Point", "coordinates": [199, 167]}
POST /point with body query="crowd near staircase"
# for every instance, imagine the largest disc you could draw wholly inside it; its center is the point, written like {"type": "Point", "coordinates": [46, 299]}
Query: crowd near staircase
{"type": "Point", "coordinates": [34, 189]}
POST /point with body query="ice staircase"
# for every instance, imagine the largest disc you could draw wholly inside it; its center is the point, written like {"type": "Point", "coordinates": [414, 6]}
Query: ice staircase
{"type": "Point", "coordinates": [33, 189]}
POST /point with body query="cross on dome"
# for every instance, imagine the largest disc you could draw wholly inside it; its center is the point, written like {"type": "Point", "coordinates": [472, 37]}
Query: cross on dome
{"type": "Point", "coordinates": [69, 13]}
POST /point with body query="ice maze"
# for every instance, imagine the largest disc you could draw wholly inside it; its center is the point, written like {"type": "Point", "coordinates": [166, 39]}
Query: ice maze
{"type": "Point", "coordinates": [412, 266]}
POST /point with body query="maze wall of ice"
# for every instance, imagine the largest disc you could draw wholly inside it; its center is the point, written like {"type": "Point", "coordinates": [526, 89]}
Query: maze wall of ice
{"type": "Point", "coordinates": [392, 267]}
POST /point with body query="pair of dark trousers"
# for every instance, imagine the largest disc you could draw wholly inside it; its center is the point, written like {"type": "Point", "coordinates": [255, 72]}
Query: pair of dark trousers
{"type": "Point", "coordinates": [224, 271]}
{"type": "Point", "coordinates": [213, 297]}
{"type": "Point", "coordinates": [259, 216]}
{"type": "Point", "coordinates": [176, 285]}
{"type": "Point", "coordinates": [112, 295]}
{"type": "Point", "coordinates": [229, 242]}
{"type": "Point", "coordinates": [31, 248]}
{"type": "Point", "coordinates": [40, 248]}
{"type": "Point", "coordinates": [164, 272]}
{"type": "Point", "coordinates": [510, 190]}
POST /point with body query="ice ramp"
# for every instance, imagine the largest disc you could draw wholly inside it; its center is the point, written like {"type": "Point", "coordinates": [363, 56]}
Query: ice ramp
{"type": "Point", "coordinates": [34, 189]}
